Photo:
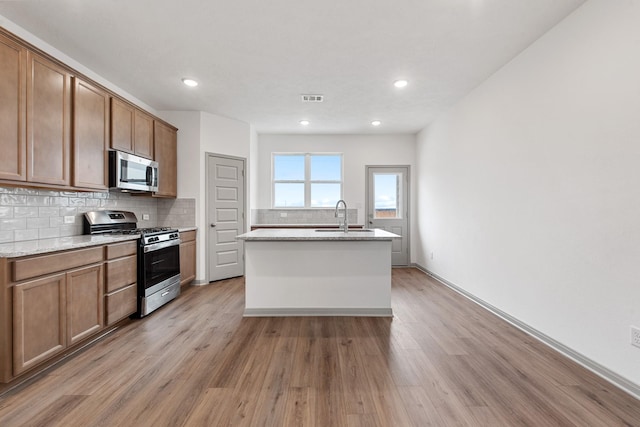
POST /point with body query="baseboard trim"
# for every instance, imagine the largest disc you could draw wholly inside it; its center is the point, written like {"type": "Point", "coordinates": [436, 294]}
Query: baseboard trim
{"type": "Point", "coordinates": [312, 312]}
{"type": "Point", "coordinates": [603, 372]}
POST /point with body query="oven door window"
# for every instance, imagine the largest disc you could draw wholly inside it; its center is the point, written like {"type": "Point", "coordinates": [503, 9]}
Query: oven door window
{"type": "Point", "coordinates": [160, 265]}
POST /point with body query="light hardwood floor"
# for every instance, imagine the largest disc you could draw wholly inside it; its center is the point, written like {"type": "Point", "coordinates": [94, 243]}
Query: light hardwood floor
{"type": "Point", "coordinates": [440, 361]}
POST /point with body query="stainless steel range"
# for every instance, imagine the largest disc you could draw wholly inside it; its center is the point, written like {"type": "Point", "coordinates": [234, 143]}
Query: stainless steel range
{"type": "Point", "coordinates": [158, 256]}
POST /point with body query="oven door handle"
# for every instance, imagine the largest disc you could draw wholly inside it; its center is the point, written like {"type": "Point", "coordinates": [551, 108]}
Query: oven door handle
{"type": "Point", "coordinates": [160, 245]}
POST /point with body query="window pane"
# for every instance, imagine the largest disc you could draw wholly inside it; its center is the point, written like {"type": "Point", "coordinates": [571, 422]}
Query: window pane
{"type": "Point", "coordinates": [288, 195]}
{"type": "Point", "coordinates": [324, 195]}
{"type": "Point", "coordinates": [288, 168]}
{"type": "Point", "coordinates": [386, 195]}
{"type": "Point", "coordinates": [326, 168]}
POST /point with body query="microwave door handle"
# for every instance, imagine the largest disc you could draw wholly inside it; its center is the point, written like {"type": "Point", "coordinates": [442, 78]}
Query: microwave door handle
{"type": "Point", "coordinates": [150, 176]}
{"type": "Point", "coordinates": [154, 176]}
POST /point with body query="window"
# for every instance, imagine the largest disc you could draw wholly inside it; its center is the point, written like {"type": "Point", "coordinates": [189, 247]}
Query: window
{"type": "Point", "coordinates": [386, 188]}
{"type": "Point", "coordinates": [307, 180]}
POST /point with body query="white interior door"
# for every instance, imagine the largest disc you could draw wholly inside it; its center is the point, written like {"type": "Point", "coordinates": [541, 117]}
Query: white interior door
{"type": "Point", "coordinates": [388, 206]}
{"type": "Point", "coordinates": [225, 217]}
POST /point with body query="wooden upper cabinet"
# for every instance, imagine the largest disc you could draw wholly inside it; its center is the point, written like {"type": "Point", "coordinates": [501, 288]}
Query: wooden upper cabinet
{"type": "Point", "coordinates": [13, 160]}
{"type": "Point", "coordinates": [143, 134]}
{"type": "Point", "coordinates": [122, 125]}
{"type": "Point", "coordinates": [91, 136]}
{"type": "Point", "coordinates": [49, 122]}
{"type": "Point", "coordinates": [131, 129]}
{"type": "Point", "coordinates": [166, 154]}
{"type": "Point", "coordinates": [56, 127]}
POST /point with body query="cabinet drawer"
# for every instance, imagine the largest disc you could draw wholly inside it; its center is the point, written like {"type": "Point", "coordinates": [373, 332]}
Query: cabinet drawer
{"type": "Point", "coordinates": [47, 264]}
{"type": "Point", "coordinates": [121, 303]}
{"type": "Point", "coordinates": [187, 236]}
{"type": "Point", "coordinates": [118, 250]}
{"type": "Point", "coordinates": [121, 272]}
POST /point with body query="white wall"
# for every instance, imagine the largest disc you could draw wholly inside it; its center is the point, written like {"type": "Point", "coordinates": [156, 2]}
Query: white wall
{"type": "Point", "coordinates": [200, 133]}
{"type": "Point", "coordinates": [358, 151]}
{"type": "Point", "coordinates": [529, 188]}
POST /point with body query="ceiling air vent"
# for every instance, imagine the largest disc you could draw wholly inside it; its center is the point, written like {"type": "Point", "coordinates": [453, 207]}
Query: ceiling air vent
{"type": "Point", "coordinates": [312, 98]}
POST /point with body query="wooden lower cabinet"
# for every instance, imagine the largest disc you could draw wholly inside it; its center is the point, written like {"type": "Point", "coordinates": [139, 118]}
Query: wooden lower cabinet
{"type": "Point", "coordinates": [56, 301]}
{"type": "Point", "coordinates": [39, 321]}
{"type": "Point", "coordinates": [121, 303]}
{"type": "Point", "coordinates": [85, 303]}
{"type": "Point", "coordinates": [121, 273]}
{"type": "Point", "coordinates": [187, 257]}
{"type": "Point", "coordinates": [54, 312]}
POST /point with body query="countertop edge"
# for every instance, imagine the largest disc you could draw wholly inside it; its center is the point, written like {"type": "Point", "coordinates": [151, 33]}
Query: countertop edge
{"type": "Point", "coordinates": [309, 235]}
{"type": "Point", "coordinates": [59, 244]}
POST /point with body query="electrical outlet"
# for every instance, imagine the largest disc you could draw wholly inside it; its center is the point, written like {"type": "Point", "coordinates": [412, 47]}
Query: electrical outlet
{"type": "Point", "coordinates": [283, 214]}
{"type": "Point", "coordinates": [635, 336]}
{"type": "Point", "coordinates": [340, 214]}
{"type": "Point", "coordinates": [145, 217]}
{"type": "Point", "coordinates": [69, 219]}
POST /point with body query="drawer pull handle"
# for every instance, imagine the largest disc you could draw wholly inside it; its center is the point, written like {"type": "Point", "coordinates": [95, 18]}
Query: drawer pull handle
{"type": "Point", "coordinates": [164, 293]}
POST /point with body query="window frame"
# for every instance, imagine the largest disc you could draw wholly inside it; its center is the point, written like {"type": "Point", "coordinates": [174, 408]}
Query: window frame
{"type": "Point", "coordinates": [307, 178]}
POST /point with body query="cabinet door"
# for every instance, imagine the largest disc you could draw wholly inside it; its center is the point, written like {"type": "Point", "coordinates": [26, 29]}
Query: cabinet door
{"type": "Point", "coordinates": [187, 262]}
{"type": "Point", "coordinates": [85, 303]}
{"type": "Point", "coordinates": [122, 116]}
{"type": "Point", "coordinates": [12, 110]}
{"type": "Point", "coordinates": [48, 122]}
{"type": "Point", "coordinates": [39, 319]}
{"type": "Point", "coordinates": [143, 134]}
{"type": "Point", "coordinates": [165, 153]}
{"type": "Point", "coordinates": [91, 136]}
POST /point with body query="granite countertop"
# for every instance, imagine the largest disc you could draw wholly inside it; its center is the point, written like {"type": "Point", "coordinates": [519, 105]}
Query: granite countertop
{"type": "Point", "coordinates": [34, 247]}
{"type": "Point", "coordinates": [42, 246]}
{"type": "Point", "coordinates": [280, 234]}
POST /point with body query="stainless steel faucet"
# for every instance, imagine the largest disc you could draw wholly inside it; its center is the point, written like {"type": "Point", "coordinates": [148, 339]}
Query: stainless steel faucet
{"type": "Point", "coordinates": [344, 226]}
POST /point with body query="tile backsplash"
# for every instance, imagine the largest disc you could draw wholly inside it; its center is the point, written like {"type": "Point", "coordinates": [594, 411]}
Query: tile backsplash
{"type": "Point", "coordinates": [299, 216]}
{"type": "Point", "coordinates": [176, 213]}
{"type": "Point", "coordinates": [29, 214]}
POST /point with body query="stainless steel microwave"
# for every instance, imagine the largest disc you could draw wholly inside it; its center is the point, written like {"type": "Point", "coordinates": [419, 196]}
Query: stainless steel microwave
{"type": "Point", "coordinates": [132, 173]}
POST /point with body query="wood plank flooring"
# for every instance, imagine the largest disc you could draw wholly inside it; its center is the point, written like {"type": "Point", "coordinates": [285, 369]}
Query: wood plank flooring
{"type": "Point", "coordinates": [440, 361]}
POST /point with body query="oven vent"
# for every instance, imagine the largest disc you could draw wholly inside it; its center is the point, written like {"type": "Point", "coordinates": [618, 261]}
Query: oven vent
{"type": "Point", "coordinates": [312, 98]}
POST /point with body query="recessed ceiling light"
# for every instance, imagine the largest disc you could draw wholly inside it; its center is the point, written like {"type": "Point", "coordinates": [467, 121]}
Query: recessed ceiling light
{"type": "Point", "coordinates": [400, 83]}
{"type": "Point", "coordinates": [190, 82]}
{"type": "Point", "coordinates": [376, 123]}
{"type": "Point", "coordinates": [304, 122]}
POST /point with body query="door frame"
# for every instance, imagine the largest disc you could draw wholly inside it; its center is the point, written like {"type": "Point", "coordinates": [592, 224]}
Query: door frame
{"type": "Point", "coordinates": [407, 213]}
{"type": "Point", "coordinates": [209, 203]}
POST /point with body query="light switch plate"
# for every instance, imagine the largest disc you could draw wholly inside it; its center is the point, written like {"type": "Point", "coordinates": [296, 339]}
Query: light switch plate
{"type": "Point", "coordinates": [69, 219]}
{"type": "Point", "coordinates": [145, 217]}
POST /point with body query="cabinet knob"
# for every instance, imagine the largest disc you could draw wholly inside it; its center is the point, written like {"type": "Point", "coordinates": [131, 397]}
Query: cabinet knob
{"type": "Point", "coordinates": [213, 225]}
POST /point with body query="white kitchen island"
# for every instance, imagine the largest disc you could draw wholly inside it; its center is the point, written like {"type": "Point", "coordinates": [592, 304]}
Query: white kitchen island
{"type": "Point", "coordinates": [304, 272]}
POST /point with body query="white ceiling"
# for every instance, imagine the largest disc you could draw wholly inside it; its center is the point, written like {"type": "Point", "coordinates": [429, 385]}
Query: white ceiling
{"type": "Point", "coordinates": [254, 58]}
